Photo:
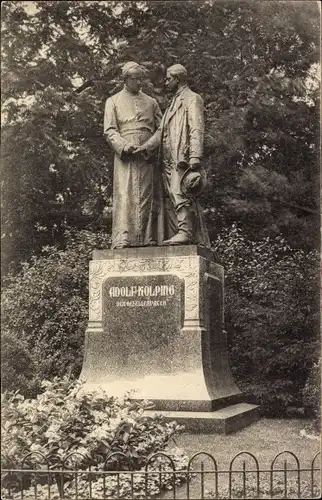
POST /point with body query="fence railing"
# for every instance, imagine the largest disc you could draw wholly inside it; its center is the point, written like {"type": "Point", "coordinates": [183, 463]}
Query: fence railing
{"type": "Point", "coordinates": [40, 478]}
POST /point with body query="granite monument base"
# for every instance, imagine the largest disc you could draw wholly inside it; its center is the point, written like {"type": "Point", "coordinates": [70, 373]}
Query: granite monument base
{"type": "Point", "coordinates": [156, 331]}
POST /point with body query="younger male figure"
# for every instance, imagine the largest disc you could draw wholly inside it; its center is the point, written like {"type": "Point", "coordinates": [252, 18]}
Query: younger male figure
{"type": "Point", "coordinates": [180, 138]}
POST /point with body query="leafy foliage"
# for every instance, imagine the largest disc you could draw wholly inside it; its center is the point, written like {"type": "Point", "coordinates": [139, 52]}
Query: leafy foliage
{"type": "Point", "coordinates": [311, 389]}
{"type": "Point", "coordinates": [312, 396]}
{"type": "Point", "coordinates": [68, 425]}
{"type": "Point", "coordinates": [17, 366]}
{"type": "Point", "coordinates": [44, 314]}
{"type": "Point", "coordinates": [65, 418]}
{"type": "Point", "coordinates": [271, 316]}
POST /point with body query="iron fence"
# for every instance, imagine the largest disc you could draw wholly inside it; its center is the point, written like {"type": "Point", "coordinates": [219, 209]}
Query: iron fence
{"type": "Point", "coordinates": [51, 478]}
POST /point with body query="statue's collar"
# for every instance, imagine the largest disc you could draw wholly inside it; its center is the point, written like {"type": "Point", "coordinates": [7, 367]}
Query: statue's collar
{"type": "Point", "coordinates": [126, 90]}
{"type": "Point", "coordinates": [180, 91]}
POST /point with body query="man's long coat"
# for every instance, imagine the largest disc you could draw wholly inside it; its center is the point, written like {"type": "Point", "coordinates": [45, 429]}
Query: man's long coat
{"type": "Point", "coordinates": [133, 118]}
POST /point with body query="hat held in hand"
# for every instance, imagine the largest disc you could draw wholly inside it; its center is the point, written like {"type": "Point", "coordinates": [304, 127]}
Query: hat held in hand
{"type": "Point", "coordinates": [192, 183]}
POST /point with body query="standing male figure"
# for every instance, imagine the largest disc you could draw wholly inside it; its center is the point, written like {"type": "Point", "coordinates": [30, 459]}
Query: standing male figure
{"type": "Point", "coordinates": [131, 118]}
{"type": "Point", "coordinates": [180, 138]}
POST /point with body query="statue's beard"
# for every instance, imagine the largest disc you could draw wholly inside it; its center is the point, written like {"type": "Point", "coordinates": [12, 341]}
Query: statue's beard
{"type": "Point", "coordinates": [171, 91]}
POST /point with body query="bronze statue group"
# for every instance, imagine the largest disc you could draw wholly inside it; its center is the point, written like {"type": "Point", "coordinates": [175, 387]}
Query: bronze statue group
{"type": "Point", "coordinates": [158, 173]}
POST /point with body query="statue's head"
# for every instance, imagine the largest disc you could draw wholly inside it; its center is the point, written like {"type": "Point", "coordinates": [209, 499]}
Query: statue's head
{"type": "Point", "coordinates": [176, 76]}
{"type": "Point", "coordinates": [133, 74]}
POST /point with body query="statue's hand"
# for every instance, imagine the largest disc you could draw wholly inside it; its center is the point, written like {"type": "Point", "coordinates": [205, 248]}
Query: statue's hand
{"type": "Point", "coordinates": [194, 164]}
{"type": "Point", "coordinates": [139, 149]}
{"type": "Point", "coordinates": [129, 148]}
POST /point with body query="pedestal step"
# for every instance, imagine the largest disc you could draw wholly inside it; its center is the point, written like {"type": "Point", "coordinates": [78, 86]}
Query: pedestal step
{"type": "Point", "coordinates": [224, 421]}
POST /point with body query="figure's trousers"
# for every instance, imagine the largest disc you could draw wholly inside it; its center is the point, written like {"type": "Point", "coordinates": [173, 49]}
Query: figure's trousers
{"type": "Point", "coordinates": [179, 213]}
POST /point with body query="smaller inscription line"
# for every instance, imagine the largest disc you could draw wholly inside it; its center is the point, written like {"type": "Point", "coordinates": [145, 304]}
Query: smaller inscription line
{"type": "Point", "coordinates": [143, 303]}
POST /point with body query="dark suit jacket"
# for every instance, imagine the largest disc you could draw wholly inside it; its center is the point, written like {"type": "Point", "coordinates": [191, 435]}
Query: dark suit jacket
{"type": "Point", "coordinates": [182, 128]}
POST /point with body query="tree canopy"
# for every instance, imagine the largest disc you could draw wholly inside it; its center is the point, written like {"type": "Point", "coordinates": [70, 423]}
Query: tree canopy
{"type": "Point", "coordinates": [254, 63]}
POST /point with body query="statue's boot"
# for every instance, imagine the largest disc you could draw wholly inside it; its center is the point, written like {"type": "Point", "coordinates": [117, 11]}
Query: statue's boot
{"type": "Point", "coordinates": [121, 245]}
{"type": "Point", "coordinates": [185, 228]}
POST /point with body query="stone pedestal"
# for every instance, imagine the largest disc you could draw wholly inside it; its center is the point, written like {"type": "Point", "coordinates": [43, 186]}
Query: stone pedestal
{"type": "Point", "coordinates": [156, 329]}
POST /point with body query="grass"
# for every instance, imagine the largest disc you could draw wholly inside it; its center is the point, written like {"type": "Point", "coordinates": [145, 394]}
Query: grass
{"type": "Point", "coordinates": [264, 439]}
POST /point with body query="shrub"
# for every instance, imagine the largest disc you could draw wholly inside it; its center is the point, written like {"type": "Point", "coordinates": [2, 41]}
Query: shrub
{"type": "Point", "coordinates": [17, 366]}
{"type": "Point", "coordinates": [45, 308]}
{"type": "Point", "coordinates": [312, 398]}
{"type": "Point", "coordinates": [65, 420]}
{"type": "Point", "coordinates": [271, 316]}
